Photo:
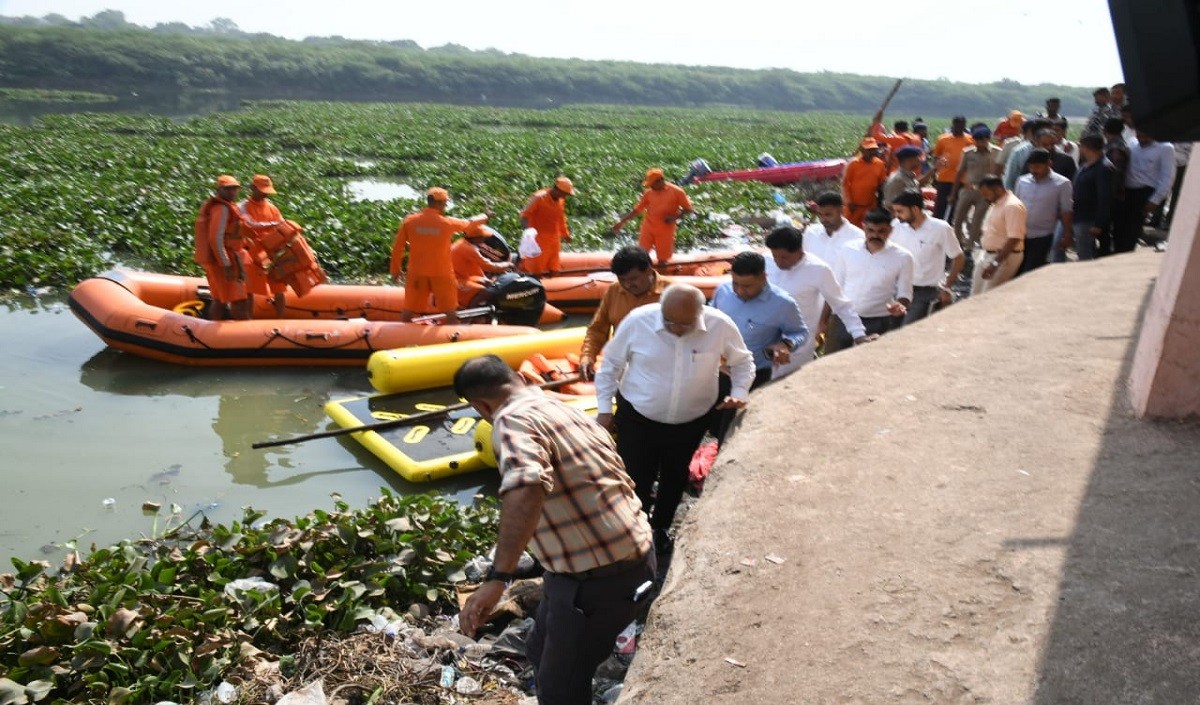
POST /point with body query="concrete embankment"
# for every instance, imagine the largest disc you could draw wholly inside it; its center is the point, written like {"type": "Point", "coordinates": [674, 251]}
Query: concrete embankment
{"type": "Point", "coordinates": [963, 512]}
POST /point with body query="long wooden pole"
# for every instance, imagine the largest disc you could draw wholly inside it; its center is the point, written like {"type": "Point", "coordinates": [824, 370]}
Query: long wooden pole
{"type": "Point", "coordinates": [394, 423]}
{"type": "Point", "coordinates": [886, 101]}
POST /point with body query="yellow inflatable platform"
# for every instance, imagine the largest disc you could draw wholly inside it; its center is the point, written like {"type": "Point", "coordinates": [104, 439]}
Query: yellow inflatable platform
{"type": "Point", "coordinates": [457, 443]}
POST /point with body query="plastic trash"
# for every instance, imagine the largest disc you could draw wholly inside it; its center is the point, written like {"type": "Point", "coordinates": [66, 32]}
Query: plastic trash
{"type": "Point", "coordinates": [255, 584]}
{"type": "Point", "coordinates": [627, 640]}
{"type": "Point", "coordinates": [447, 679]}
{"type": "Point", "coordinates": [226, 692]}
{"type": "Point", "coordinates": [529, 247]}
{"type": "Point", "coordinates": [610, 696]}
{"type": "Point", "coordinates": [108, 501]}
{"type": "Point", "coordinates": [467, 686]}
{"type": "Point", "coordinates": [311, 694]}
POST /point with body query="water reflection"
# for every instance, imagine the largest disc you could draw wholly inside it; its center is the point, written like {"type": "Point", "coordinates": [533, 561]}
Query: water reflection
{"type": "Point", "coordinates": [372, 189]}
{"type": "Point", "coordinates": [174, 105]}
{"type": "Point", "coordinates": [255, 404]}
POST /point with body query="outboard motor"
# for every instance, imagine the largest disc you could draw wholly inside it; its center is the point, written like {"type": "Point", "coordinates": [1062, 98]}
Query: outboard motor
{"type": "Point", "coordinates": [494, 246]}
{"type": "Point", "coordinates": [698, 168]}
{"type": "Point", "coordinates": [518, 298]}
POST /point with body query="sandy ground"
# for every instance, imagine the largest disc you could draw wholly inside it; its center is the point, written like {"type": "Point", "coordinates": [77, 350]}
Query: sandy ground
{"type": "Point", "coordinates": [963, 512]}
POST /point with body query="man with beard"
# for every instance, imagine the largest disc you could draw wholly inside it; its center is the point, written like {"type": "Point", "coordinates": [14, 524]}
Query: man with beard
{"type": "Point", "coordinates": [637, 284]}
{"type": "Point", "coordinates": [1002, 245]}
{"type": "Point", "coordinates": [931, 241]}
{"type": "Point", "coordinates": [877, 276]}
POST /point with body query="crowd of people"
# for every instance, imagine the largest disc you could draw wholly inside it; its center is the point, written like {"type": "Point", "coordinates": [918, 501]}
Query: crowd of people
{"type": "Point", "coordinates": [597, 512]}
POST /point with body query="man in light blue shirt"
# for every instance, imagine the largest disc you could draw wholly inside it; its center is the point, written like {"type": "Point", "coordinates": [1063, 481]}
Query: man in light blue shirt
{"type": "Point", "coordinates": [768, 317]}
{"type": "Point", "coordinates": [1147, 183]}
{"type": "Point", "coordinates": [1048, 199]}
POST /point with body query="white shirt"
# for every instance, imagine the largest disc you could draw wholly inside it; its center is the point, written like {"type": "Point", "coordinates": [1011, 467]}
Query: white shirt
{"type": "Point", "coordinates": [871, 280]}
{"type": "Point", "coordinates": [811, 283]}
{"type": "Point", "coordinates": [1069, 148]}
{"type": "Point", "coordinates": [672, 378]}
{"type": "Point", "coordinates": [825, 246]}
{"type": "Point", "coordinates": [930, 245]}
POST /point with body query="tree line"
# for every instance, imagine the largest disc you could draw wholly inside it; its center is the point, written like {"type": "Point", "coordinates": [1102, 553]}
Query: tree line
{"type": "Point", "coordinates": [106, 53]}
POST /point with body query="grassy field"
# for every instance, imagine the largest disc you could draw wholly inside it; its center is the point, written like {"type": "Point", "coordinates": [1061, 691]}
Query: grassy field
{"type": "Point", "coordinates": [84, 190]}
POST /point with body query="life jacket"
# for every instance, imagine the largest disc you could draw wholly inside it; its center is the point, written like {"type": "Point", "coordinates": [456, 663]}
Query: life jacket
{"type": "Point", "coordinates": [537, 369]}
{"type": "Point", "coordinates": [289, 257]}
{"type": "Point", "coordinates": [203, 253]}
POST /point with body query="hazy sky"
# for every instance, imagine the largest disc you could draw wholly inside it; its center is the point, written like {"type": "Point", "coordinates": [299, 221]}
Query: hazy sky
{"type": "Point", "coordinates": [1031, 41]}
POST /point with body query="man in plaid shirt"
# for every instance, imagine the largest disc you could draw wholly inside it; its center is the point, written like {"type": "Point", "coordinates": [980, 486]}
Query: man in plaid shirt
{"type": "Point", "coordinates": [564, 493]}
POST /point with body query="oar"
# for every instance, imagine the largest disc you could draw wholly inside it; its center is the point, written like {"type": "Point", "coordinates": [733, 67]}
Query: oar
{"type": "Point", "coordinates": [394, 423]}
{"type": "Point", "coordinates": [462, 313]}
{"type": "Point", "coordinates": [668, 265]}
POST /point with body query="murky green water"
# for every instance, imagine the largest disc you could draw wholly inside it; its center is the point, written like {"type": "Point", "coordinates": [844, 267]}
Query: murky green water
{"type": "Point", "coordinates": [80, 423]}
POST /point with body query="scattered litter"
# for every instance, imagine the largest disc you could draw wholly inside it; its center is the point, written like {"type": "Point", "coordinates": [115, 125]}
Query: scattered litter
{"type": "Point", "coordinates": [149, 506]}
{"type": "Point", "coordinates": [1023, 472]}
{"type": "Point", "coordinates": [226, 692]}
{"type": "Point", "coordinates": [255, 584]}
{"type": "Point", "coordinates": [108, 501]}
{"type": "Point", "coordinates": [447, 680]}
{"type": "Point", "coordinates": [627, 639]}
{"type": "Point", "coordinates": [467, 686]}
{"type": "Point", "coordinates": [734, 662]}
{"type": "Point", "coordinates": [311, 694]}
{"type": "Point", "coordinates": [749, 562]}
{"type": "Point", "coordinates": [775, 559]}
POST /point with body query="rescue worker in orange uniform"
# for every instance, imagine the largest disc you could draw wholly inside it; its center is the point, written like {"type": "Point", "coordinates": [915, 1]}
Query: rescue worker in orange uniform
{"type": "Point", "coordinates": [861, 182]}
{"type": "Point", "coordinates": [664, 205]}
{"type": "Point", "coordinates": [546, 213]}
{"type": "Point", "coordinates": [894, 141]}
{"type": "Point", "coordinates": [221, 250]}
{"type": "Point", "coordinates": [259, 214]}
{"type": "Point", "coordinates": [471, 268]}
{"type": "Point", "coordinates": [430, 271]}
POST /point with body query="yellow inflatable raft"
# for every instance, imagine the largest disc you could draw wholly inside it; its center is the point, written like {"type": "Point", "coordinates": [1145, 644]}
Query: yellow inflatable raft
{"type": "Point", "coordinates": [432, 366]}
{"type": "Point", "coordinates": [457, 443]}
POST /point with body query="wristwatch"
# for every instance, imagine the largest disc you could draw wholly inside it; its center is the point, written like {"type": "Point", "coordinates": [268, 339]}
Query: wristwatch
{"type": "Point", "coordinates": [493, 574]}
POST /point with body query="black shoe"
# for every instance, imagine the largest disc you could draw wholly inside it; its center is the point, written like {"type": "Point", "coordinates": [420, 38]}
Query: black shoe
{"type": "Point", "coordinates": [663, 543]}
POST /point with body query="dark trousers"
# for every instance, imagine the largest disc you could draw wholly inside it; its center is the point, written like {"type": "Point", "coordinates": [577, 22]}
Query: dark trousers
{"type": "Point", "coordinates": [942, 203]}
{"type": "Point", "coordinates": [657, 451]}
{"type": "Point", "coordinates": [1133, 218]}
{"type": "Point", "coordinates": [723, 418]}
{"type": "Point", "coordinates": [924, 297]}
{"type": "Point", "coordinates": [576, 626]}
{"type": "Point", "coordinates": [837, 338]}
{"type": "Point", "coordinates": [1037, 252]}
{"type": "Point", "coordinates": [1180, 172]}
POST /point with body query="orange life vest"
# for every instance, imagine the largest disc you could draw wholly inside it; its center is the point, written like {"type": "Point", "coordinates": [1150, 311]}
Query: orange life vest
{"type": "Point", "coordinates": [203, 253]}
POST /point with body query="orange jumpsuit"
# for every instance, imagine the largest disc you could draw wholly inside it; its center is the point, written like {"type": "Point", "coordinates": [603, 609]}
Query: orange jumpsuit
{"type": "Point", "coordinates": [427, 236]}
{"type": "Point", "coordinates": [656, 206]}
{"type": "Point", "coordinates": [894, 141]}
{"type": "Point", "coordinates": [219, 244]}
{"type": "Point", "coordinates": [549, 218]}
{"type": "Point", "coordinates": [951, 148]}
{"type": "Point", "coordinates": [258, 216]}
{"type": "Point", "coordinates": [470, 270]}
{"type": "Point", "coordinates": [860, 187]}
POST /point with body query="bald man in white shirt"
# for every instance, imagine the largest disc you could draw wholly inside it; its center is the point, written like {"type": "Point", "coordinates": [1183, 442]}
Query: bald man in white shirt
{"type": "Point", "coordinates": [662, 366]}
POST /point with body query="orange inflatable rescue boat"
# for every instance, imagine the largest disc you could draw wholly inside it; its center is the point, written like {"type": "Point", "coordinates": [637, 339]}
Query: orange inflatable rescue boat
{"type": "Point", "coordinates": [159, 316]}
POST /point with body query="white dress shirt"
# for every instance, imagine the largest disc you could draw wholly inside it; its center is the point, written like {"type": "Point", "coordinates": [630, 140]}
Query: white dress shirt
{"type": "Point", "coordinates": [812, 284]}
{"type": "Point", "coordinates": [672, 378]}
{"type": "Point", "coordinates": [930, 245]}
{"type": "Point", "coordinates": [824, 245]}
{"type": "Point", "coordinates": [1151, 166]}
{"type": "Point", "coordinates": [871, 280]}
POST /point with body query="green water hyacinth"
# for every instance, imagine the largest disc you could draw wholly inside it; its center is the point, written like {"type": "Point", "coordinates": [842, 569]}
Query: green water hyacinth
{"type": "Point", "coordinates": [87, 190]}
{"type": "Point", "coordinates": [164, 618]}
